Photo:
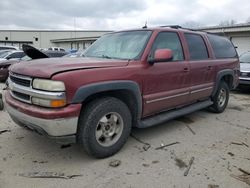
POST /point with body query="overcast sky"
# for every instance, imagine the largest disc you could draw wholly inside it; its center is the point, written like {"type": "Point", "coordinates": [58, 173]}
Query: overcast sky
{"type": "Point", "coordinates": [118, 14]}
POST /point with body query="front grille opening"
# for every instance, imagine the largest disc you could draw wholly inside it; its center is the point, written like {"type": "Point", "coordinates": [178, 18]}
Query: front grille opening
{"type": "Point", "coordinates": [21, 95]}
{"type": "Point", "coordinates": [20, 81]}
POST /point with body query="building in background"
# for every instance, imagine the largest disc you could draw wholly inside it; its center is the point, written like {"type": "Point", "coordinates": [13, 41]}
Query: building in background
{"type": "Point", "coordinates": [239, 34]}
{"type": "Point", "coordinates": [50, 38]}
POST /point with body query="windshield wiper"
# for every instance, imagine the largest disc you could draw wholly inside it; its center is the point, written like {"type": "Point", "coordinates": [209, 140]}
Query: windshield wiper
{"type": "Point", "coordinates": [106, 56]}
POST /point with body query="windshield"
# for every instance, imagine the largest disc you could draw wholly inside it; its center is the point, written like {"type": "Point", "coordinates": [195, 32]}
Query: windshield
{"type": "Point", "coordinates": [245, 58]}
{"type": "Point", "coordinates": [121, 45]}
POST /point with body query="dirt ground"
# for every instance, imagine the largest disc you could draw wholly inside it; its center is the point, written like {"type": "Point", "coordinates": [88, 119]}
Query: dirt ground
{"type": "Point", "coordinates": [218, 143]}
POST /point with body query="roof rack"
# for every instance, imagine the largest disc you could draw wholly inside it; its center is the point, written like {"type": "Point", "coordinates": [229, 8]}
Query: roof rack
{"type": "Point", "coordinates": [178, 27]}
{"type": "Point", "coordinates": [172, 26]}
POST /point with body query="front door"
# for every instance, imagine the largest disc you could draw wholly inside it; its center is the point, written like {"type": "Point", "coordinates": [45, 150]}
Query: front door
{"type": "Point", "coordinates": [166, 84]}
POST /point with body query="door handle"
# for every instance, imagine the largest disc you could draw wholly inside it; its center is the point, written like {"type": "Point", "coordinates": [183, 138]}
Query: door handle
{"type": "Point", "coordinates": [186, 69]}
{"type": "Point", "coordinates": [209, 67]}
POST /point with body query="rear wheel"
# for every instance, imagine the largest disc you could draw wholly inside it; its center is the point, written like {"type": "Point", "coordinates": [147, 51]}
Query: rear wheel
{"type": "Point", "coordinates": [221, 98]}
{"type": "Point", "coordinates": [1, 102]}
{"type": "Point", "coordinates": [104, 127]}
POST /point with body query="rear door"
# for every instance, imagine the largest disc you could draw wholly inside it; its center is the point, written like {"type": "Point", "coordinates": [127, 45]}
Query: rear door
{"type": "Point", "coordinates": [166, 84]}
{"type": "Point", "coordinates": [201, 67]}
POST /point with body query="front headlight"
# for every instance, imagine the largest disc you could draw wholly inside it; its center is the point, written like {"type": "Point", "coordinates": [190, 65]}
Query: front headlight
{"type": "Point", "coordinates": [48, 85]}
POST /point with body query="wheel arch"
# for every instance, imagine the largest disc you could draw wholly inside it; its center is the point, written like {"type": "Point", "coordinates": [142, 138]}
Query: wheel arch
{"type": "Point", "coordinates": [127, 91]}
{"type": "Point", "coordinates": [227, 76]}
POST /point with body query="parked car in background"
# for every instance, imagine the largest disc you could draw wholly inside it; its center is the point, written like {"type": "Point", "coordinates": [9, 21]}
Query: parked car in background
{"type": "Point", "coordinates": [31, 53]}
{"type": "Point", "coordinates": [13, 54]}
{"type": "Point", "coordinates": [245, 69]}
{"type": "Point", "coordinates": [56, 49]}
{"type": "Point", "coordinates": [8, 47]}
{"type": "Point", "coordinates": [75, 54]}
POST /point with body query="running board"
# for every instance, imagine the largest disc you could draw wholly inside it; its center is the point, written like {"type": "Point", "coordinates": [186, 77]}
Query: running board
{"type": "Point", "coordinates": [169, 115]}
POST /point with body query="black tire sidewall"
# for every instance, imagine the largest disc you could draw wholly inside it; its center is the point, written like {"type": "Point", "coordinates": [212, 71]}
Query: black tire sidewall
{"type": "Point", "coordinates": [216, 107]}
{"type": "Point", "coordinates": [1, 104]}
{"type": "Point", "coordinates": [91, 116]}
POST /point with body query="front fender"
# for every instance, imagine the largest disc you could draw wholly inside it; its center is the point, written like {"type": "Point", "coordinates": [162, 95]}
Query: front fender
{"type": "Point", "coordinates": [87, 90]}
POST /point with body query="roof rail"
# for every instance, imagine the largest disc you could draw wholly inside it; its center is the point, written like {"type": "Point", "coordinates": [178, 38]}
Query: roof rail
{"type": "Point", "coordinates": [172, 26]}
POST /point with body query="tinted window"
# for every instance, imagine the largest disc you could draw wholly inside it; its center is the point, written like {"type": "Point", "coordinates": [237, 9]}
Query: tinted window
{"type": "Point", "coordinates": [17, 55]}
{"type": "Point", "coordinates": [197, 47]}
{"type": "Point", "coordinates": [169, 40]}
{"type": "Point", "coordinates": [222, 47]}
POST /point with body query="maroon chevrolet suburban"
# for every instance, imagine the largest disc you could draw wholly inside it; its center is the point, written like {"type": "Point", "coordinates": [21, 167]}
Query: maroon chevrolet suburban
{"type": "Point", "coordinates": [134, 78]}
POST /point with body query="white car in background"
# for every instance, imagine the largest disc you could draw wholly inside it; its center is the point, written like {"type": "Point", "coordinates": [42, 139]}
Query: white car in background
{"type": "Point", "coordinates": [245, 70]}
{"type": "Point", "coordinates": [11, 54]}
{"type": "Point", "coordinates": [8, 47]}
{"type": "Point", "coordinates": [56, 49]}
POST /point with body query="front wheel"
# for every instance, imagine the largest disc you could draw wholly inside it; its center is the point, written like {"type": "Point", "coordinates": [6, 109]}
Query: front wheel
{"type": "Point", "coordinates": [221, 98]}
{"type": "Point", "coordinates": [104, 127]}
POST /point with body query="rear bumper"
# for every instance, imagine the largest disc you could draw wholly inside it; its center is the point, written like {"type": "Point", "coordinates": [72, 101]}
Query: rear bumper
{"type": "Point", "coordinates": [54, 123]}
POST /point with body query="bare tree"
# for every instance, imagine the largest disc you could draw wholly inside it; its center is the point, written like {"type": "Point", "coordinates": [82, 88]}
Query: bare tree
{"type": "Point", "coordinates": [191, 25]}
{"type": "Point", "coordinates": [227, 23]}
{"type": "Point", "coordinates": [248, 20]}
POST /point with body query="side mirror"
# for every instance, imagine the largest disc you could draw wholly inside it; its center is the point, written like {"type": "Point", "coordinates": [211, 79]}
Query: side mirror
{"type": "Point", "coordinates": [161, 55]}
{"type": "Point", "coordinates": [8, 58]}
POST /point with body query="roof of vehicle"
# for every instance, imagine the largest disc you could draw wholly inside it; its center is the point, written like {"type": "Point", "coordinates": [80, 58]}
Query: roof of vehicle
{"type": "Point", "coordinates": [13, 47]}
{"type": "Point", "coordinates": [165, 28]}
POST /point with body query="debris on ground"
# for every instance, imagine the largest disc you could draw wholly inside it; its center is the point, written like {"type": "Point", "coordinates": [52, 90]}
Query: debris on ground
{"type": "Point", "coordinates": [48, 175]}
{"type": "Point", "coordinates": [245, 177]}
{"type": "Point", "coordinates": [231, 154]}
{"type": "Point", "coordinates": [40, 162]}
{"type": "Point", "coordinates": [65, 146]}
{"type": "Point", "coordinates": [145, 165]}
{"type": "Point", "coordinates": [191, 130]}
{"type": "Point", "coordinates": [212, 186]}
{"type": "Point", "coordinates": [115, 163]}
{"type": "Point", "coordinates": [180, 163]}
{"type": "Point", "coordinates": [166, 145]}
{"type": "Point", "coordinates": [189, 166]}
{"type": "Point", "coordinates": [155, 162]}
{"type": "Point", "coordinates": [240, 144]}
{"type": "Point", "coordinates": [146, 145]}
{"type": "Point", "coordinates": [4, 131]}
{"type": "Point", "coordinates": [20, 138]}
{"type": "Point", "coordinates": [244, 171]}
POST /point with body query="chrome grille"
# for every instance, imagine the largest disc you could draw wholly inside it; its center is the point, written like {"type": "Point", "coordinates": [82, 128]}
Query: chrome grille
{"type": "Point", "coordinates": [21, 89]}
{"type": "Point", "coordinates": [21, 95]}
{"type": "Point", "coordinates": [20, 81]}
{"type": "Point", "coordinates": [17, 85]}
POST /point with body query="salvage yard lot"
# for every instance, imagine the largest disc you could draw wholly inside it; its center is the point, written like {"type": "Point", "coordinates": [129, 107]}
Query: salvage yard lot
{"type": "Point", "coordinates": [219, 143]}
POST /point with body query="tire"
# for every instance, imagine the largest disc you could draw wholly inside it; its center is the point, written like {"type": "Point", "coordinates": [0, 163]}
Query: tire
{"type": "Point", "coordinates": [104, 127]}
{"type": "Point", "coordinates": [1, 104]}
{"type": "Point", "coordinates": [220, 98]}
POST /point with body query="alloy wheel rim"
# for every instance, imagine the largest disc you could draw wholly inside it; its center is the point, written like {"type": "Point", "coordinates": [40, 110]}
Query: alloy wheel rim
{"type": "Point", "coordinates": [109, 129]}
{"type": "Point", "coordinates": [222, 97]}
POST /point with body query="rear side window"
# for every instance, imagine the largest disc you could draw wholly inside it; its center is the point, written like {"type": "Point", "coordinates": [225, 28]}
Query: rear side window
{"type": "Point", "coordinates": [222, 47]}
{"type": "Point", "coordinates": [197, 47]}
{"type": "Point", "coordinates": [169, 40]}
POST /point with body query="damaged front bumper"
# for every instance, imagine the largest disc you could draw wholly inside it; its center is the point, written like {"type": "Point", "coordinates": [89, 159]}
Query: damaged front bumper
{"type": "Point", "coordinates": [56, 124]}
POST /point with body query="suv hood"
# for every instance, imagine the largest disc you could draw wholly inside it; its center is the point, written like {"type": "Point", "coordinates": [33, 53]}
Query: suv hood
{"type": "Point", "coordinates": [45, 68]}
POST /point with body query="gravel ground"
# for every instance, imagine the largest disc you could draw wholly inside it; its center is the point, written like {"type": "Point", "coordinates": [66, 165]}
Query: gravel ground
{"type": "Point", "coordinates": [218, 143]}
